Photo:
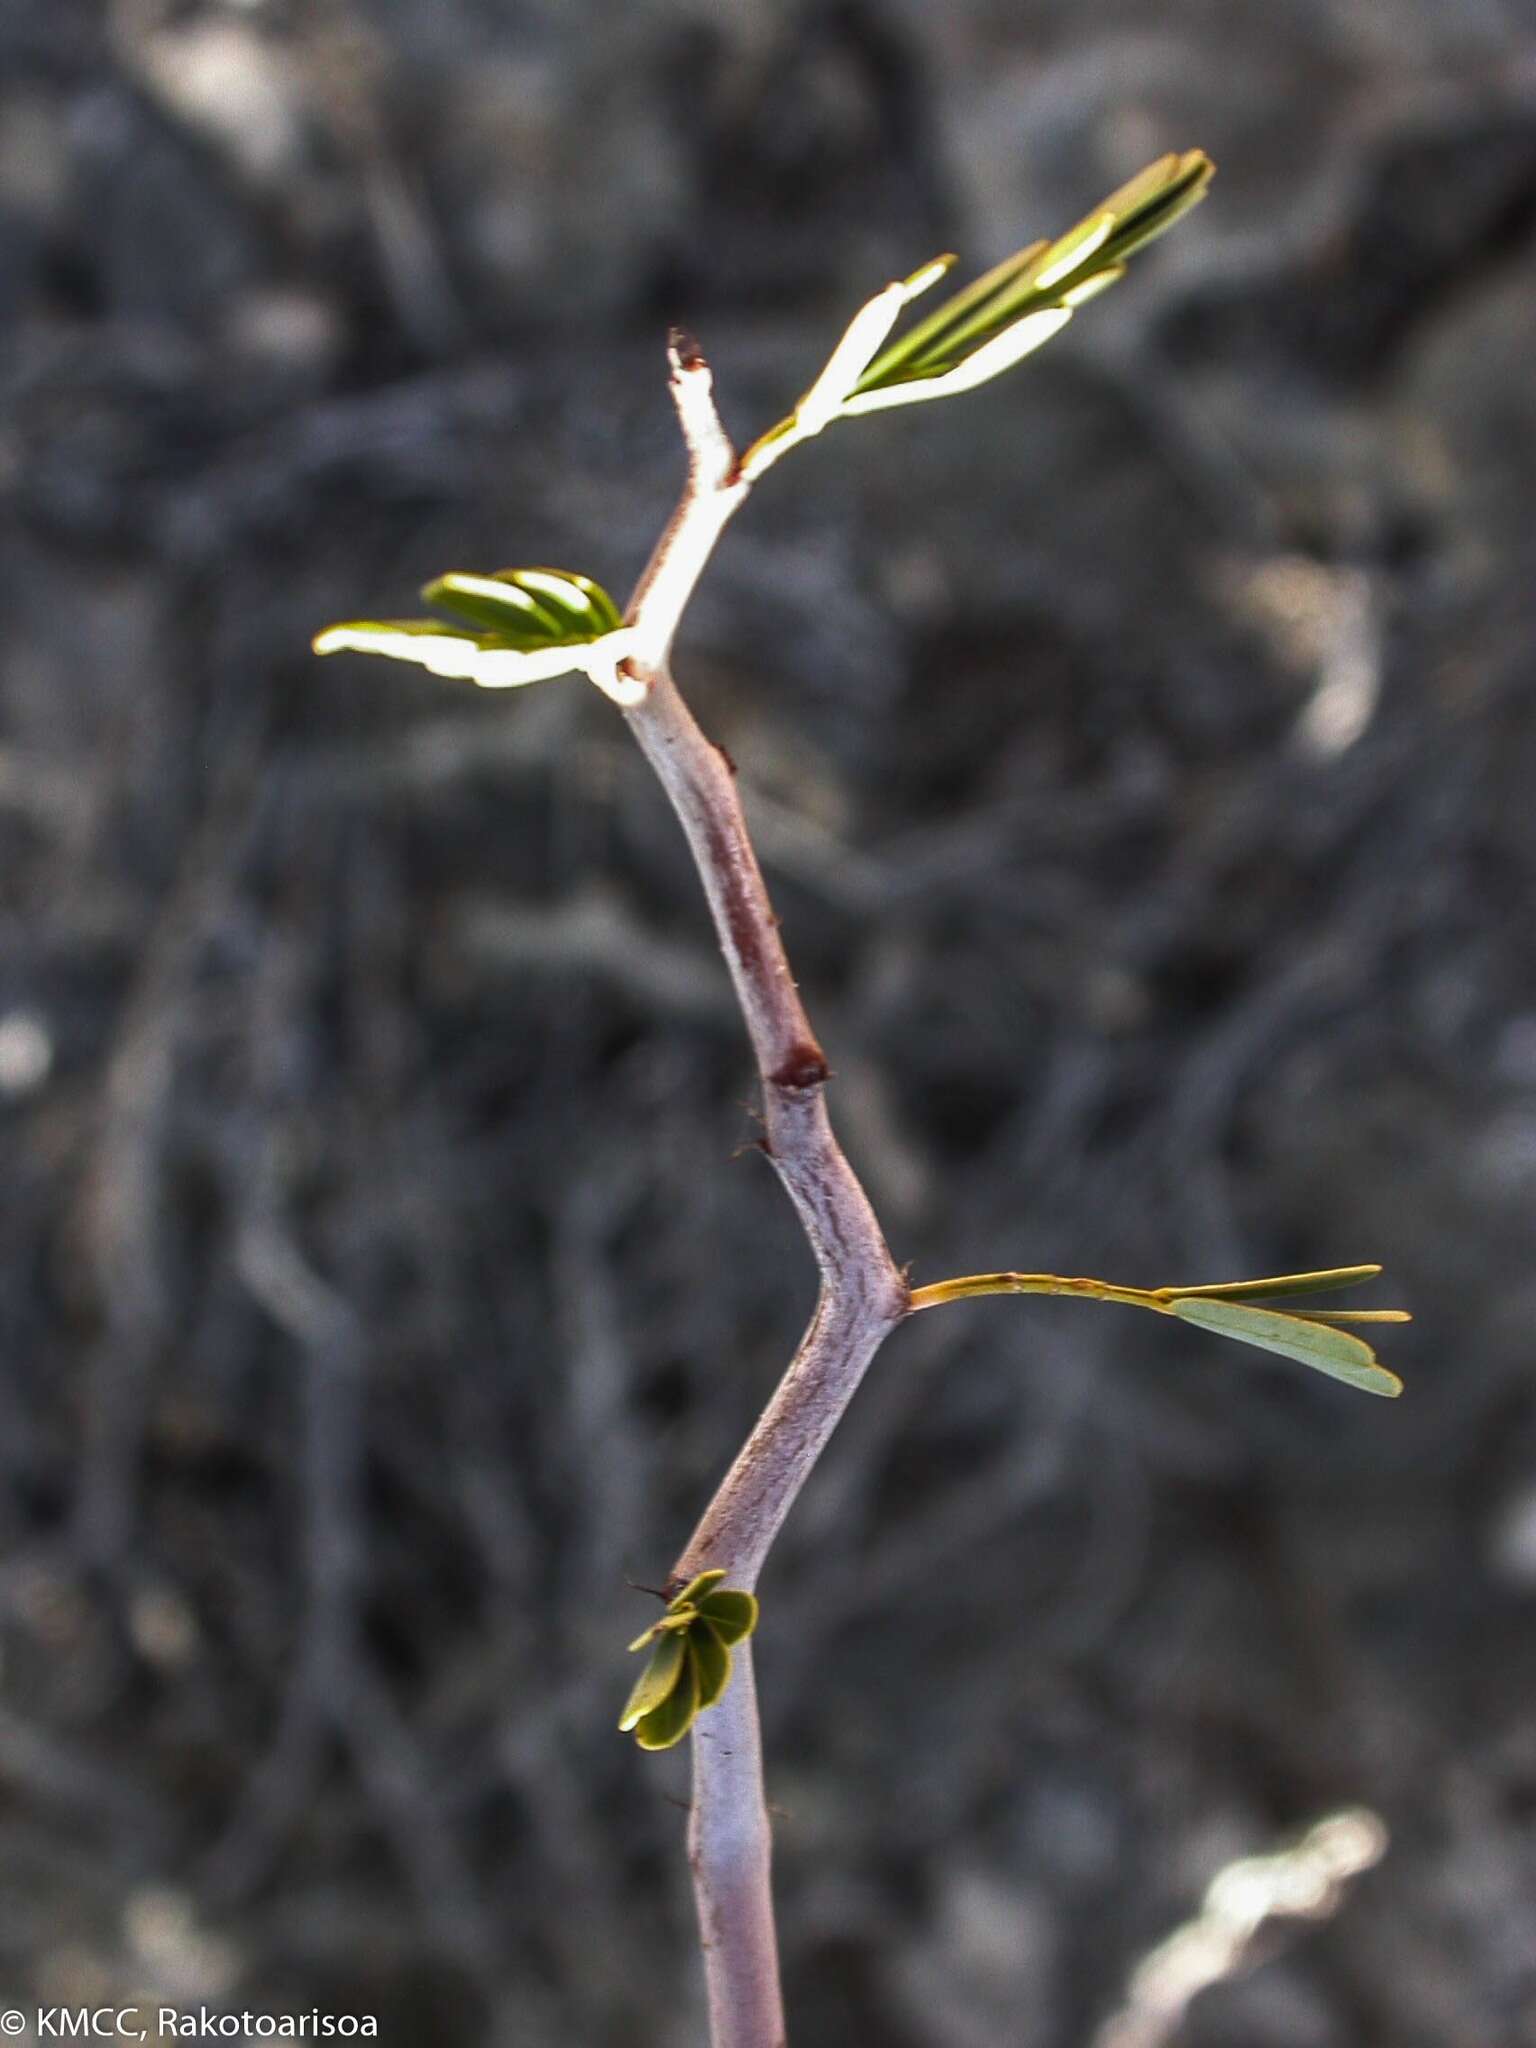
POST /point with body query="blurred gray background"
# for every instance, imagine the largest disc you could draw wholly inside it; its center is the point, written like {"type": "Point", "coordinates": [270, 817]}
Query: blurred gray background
{"type": "Point", "coordinates": [1143, 754]}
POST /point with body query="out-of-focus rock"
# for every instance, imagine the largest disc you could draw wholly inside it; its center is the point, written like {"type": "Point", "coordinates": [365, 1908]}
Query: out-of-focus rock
{"type": "Point", "coordinates": [558, 182]}
{"type": "Point", "coordinates": [221, 76]}
{"type": "Point", "coordinates": [986, 1972]}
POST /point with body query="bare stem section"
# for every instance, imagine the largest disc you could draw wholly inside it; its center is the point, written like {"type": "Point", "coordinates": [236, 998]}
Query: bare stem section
{"type": "Point", "coordinates": [729, 1851]}
{"type": "Point", "coordinates": [863, 1295]}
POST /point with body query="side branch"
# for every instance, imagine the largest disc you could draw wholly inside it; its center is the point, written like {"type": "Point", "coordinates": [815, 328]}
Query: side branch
{"type": "Point", "coordinates": [1243, 1309]}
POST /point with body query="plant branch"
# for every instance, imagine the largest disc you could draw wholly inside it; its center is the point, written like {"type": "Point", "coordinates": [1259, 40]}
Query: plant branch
{"type": "Point", "coordinates": [729, 1852]}
{"type": "Point", "coordinates": [521, 626]}
{"type": "Point", "coordinates": [863, 1295]}
{"type": "Point", "coordinates": [711, 495]}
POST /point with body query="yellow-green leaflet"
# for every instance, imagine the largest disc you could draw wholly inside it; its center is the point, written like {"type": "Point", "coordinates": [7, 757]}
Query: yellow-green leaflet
{"type": "Point", "coordinates": [693, 1594]}
{"type": "Point", "coordinates": [1326, 1282]}
{"type": "Point", "coordinates": [731, 1614]}
{"type": "Point", "coordinates": [671, 1721]}
{"type": "Point", "coordinates": [929, 334]}
{"type": "Point", "coordinates": [656, 1681]}
{"type": "Point", "coordinates": [1328, 1350]}
{"type": "Point", "coordinates": [712, 1662]}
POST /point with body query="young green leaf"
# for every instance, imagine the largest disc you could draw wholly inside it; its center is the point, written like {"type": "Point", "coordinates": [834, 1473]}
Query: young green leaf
{"type": "Point", "coordinates": [1089, 288]}
{"type": "Point", "coordinates": [1319, 1345]}
{"type": "Point", "coordinates": [712, 1662]}
{"type": "Point", "coordinates": [1356, 1315]}
{"type": "Point", "coordinates": [577, 598]}
{"type": "Point", "coordinates": [1046, 277]}
{"type": "Point", "coordinates": [990, 324]}
{"type": "Point", "coordinates": [656, 1682]}
{"type": "Point", "coordinates": [501, 607]}
{"type": "Point", "coordinates": [1154, 199]}
{"type": "Point", "coordinates": [1326, 1282]}
{"type": "Point", "coordinates": [670, 1721]}
{"type": "Point", "coordinates": [1071, 252]}
{"type": "Point", "coordinates": [847, 362]}
{"type": "Point", "coordinates": [733, 1614]}
{"type": "Point", "coordinates": [928, 337]}
{"type": "Point", "coordinates": [690, 1666]}
{"type": "Point", "coordinates": [694, 1593]}
{"type": "Point", "coordinates": [1017, 339]}
{"type": "Point", "coordinates": [528, 605]}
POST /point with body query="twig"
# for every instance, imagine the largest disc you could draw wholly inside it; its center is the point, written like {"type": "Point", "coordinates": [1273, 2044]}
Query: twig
{"type": "Point", "coordinates": [863, 1295]}
{"type": "Point", "coordinates": [729, 1849]}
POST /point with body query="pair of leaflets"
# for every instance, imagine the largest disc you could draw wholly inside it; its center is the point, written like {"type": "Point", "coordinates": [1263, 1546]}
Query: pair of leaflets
{"type": "Point", "coordinates": [1310, 1336]}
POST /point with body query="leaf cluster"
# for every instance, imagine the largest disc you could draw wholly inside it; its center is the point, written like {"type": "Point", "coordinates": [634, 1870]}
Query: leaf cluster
{"type": "Point", "coordinates": [690, 1661]}
{"type": "Point", "coordinates": [514, 627]}
{"type": "Point", "coordinates": [1046, 280]}
{"type": "Point", "coordinates": [993, 323]}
